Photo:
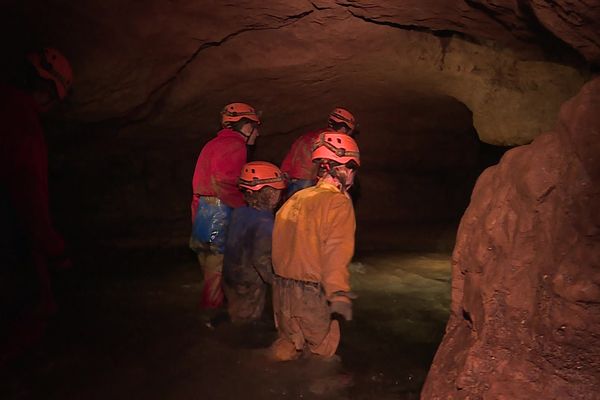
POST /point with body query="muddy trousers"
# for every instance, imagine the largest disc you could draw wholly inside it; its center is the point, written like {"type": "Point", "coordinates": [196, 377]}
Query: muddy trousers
{"type": "Point", "coordinates": [303, 320]}
{"type": "Point", "coordinates": [245, 303]}
{"type": "Point", "coordinates": [212, 267]}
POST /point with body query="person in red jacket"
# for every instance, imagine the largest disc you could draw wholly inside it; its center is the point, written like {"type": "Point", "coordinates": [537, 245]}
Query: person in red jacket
{"type": "Point", "coordinates": [297, 164]}
{"type": "Point", "coordinates": [28, 235]}
{"type": "Point", "coordinates": [215, 193]}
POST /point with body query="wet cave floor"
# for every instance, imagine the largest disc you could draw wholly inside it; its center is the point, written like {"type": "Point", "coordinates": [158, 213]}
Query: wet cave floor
{"type": "Point", "coordinates": [129, 327]}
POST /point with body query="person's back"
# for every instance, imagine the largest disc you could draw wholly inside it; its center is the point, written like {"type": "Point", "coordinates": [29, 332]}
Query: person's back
{"type": "Point", "coordinates": [19, 116]}
{"type": "Point", "coordinates": [297, 163]}
{"type": "Point", "coordinates": [313, 243]}
{"type": "Point", "coordinates": [218, 168]}
{"type": "Point", "coordinates": [32, 245]}
{"type": "Point", "coordinates": [247, 268]}
{"type": "Point", "coordinates": [248, 247]}
{"type": "Point", "coordinates": [24, 167]}
{"type": "Point", "coordinates": [312, 233]}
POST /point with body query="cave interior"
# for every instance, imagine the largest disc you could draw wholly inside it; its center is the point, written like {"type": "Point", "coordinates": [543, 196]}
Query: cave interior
{"type": "Point", "coordinates": [441, 90]}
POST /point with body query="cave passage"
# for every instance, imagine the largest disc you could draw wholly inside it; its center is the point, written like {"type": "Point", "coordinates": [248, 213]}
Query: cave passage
{"type": "Point", "coordinates": [130, 326]}
{"type": "Point", "coordinates": [426, 81]}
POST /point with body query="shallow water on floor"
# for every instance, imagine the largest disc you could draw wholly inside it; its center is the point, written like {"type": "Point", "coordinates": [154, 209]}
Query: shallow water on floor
{"type": "Point", "coordinates": [129, 327]}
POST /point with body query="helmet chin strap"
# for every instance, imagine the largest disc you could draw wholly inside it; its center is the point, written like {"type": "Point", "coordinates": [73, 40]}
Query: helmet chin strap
{"type": "Point", "coordinates": [247, 137]}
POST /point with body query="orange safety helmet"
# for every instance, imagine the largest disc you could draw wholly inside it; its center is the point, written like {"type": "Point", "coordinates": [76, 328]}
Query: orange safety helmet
{"type": "Point", "coordinates": [343, 116]}
{"type": "Point", "coordinates": [234, 112]}
{"type": "Point", "coordinates": [258, 174]}
{"type": "Point", "coordinates": [336, 146]}
{"type": "Point", "coordinates": [51, 64]}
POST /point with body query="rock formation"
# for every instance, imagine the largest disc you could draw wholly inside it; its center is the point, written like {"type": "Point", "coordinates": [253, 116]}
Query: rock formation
{"type": "Point", "coordinates": [525, 315]}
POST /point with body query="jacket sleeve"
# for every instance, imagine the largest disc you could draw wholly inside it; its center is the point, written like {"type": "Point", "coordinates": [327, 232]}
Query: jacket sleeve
{"type": "Point", "coordinates": [227, 171]}
{"type": "Point", "coordinates": [338, 246]}
{"type": "Point", "coordinates": [28, 187]}
{"type": "Point", "coordinates": [261, 255]}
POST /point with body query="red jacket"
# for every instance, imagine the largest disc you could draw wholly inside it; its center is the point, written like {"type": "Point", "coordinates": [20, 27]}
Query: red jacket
{"type": "Point", "coordinates": [298, 163]}
{"type": "Point", "coordinates": [218, 168]}
{"type": "Point", "coordinates": [24, 168]}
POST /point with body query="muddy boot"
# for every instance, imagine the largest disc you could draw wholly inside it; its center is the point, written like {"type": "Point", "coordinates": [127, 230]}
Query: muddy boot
{"type": "Point", "coordinates": [283, 350]}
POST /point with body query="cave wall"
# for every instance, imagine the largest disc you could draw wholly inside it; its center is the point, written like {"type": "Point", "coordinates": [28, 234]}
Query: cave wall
{"type": "Point", "coordinates": [170, 66]}
{"type": "Point", "coordinates": [152, 76]}
{"type": "Point", "coordinates": [525, 317]}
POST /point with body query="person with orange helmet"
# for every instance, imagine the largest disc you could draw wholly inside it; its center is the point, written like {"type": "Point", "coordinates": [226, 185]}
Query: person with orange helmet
{"type": "Point", "coordinates": [32, 240]}
{"type": "Point", "coordinates": [313, 243]}
{"type": "Point", "coordinates": [215, 194]}
{"type": "Point", "coordinates": [297, 164]}
{"type": "Point", "coordinates": [247, 269]}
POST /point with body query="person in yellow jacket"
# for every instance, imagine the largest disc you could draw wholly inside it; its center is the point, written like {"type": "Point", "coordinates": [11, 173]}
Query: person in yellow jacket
{"type": "Point", "coordinates": [313, 243]}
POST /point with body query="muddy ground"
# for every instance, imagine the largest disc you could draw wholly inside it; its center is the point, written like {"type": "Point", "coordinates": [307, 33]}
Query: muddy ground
{"type": "Point", "coordinates": [129, 328]}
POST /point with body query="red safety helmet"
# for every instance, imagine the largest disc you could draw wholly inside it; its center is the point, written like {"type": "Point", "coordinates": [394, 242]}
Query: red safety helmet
{"type": "Point", "coordinates": [258, 174]}
{"type": "Point", "coordinates": [234, 112]}
{"type": "Point", "coordinates": [51, 64]}
{"type": "Point", "coordinates": [343, 116]}
{"type": "Point", "coordinates": [336, 146]}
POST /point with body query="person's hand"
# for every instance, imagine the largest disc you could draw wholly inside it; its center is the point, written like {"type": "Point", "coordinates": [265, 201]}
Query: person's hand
{"type": "Point", "coordinates": [342, 308]}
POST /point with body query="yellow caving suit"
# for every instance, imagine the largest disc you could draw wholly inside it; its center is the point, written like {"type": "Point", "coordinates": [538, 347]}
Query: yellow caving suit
{"type": "Point", "coordinates": [313, 243]}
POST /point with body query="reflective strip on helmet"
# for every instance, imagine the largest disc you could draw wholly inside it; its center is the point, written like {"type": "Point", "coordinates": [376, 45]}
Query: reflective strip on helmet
{"type": "Point", "coordinates": [238, 114]}
{"type": "Point", "coordinates": [338, 151]}
{"type": "Point", "coordinates": [255, 182]}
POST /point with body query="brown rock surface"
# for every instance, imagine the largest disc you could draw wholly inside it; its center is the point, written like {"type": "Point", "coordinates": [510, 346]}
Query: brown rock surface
{"type": "Point", "coordinates": [171, 65]}
{"type": "Point", "coordinates": [525, 318]}
{"type": "Point", "coordinates": [511, 22]}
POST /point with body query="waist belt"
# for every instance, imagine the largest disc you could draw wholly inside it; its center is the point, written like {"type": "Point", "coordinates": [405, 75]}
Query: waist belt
{"type": "Point", "coordinates": [290, 280]}
{"type": "Point", "coordinates": [211, 199]}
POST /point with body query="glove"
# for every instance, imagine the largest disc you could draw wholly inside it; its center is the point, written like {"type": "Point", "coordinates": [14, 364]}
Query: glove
{"type": "Point", "coordinates": [342, 308]}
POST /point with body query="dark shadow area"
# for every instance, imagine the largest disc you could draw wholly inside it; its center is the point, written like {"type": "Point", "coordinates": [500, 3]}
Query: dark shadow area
{"type": "Point", "coordinates": [129, 327]}
{"type": "Point", "coordinates": [129, 323]}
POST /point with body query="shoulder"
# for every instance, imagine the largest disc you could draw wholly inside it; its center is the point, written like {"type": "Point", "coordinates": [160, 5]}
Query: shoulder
{"type": "Point", "coordinates": [332, 196]}
{"type": "Point", "coordinates": [231, 141]}
{"type": "Point", "coordinates": [226, 142]}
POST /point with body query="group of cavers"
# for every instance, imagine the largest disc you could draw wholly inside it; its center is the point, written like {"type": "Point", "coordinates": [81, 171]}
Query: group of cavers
{"type": "Point", "coordinates": [302, 252]}
{"type": "Point", "coordinates": [255, 226]}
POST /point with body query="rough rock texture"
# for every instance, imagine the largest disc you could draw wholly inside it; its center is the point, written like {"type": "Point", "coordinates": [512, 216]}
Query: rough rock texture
{"type": "Point", "coordinates": [171, 65]}
{"type": "Point", "coordinates": [525, 319]}
{"type": "Point", "coordinates": [510, 22]}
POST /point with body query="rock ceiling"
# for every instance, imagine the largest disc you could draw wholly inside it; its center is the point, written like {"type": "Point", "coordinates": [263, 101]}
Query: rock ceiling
{"type": "Point", "coordinates": [173, 64]}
